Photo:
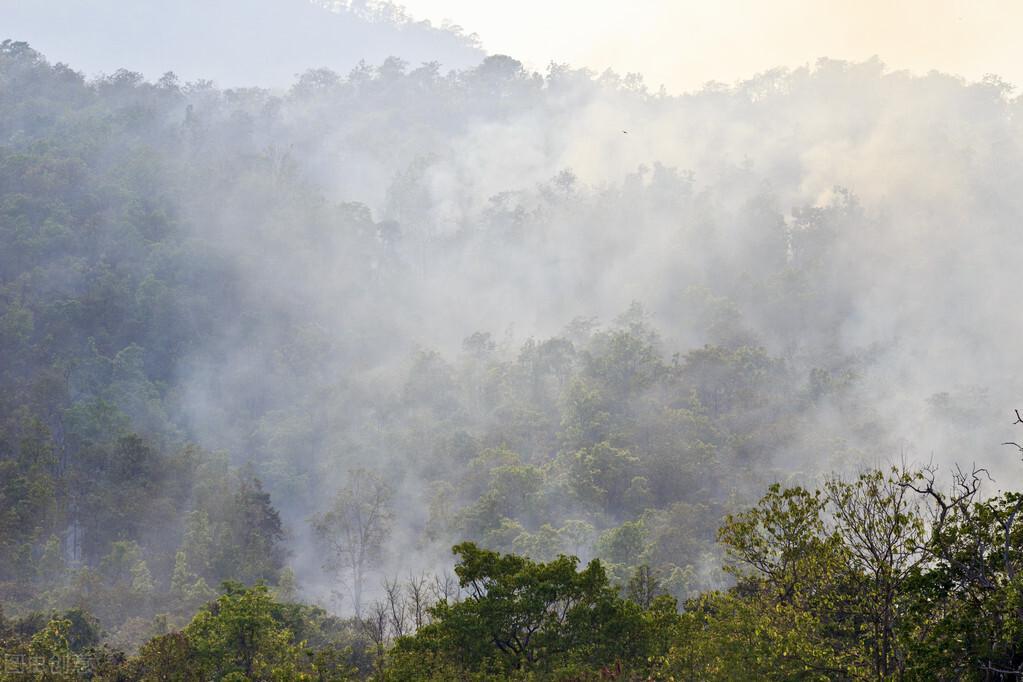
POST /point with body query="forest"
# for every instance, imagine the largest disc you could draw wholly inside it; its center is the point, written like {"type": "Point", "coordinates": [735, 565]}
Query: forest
{"type": "Point", "coordinates": [413, 375]}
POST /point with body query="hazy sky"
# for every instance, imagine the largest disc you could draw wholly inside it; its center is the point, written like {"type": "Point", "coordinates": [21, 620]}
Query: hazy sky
{"type": "Point", "coordinates": [684, 43]}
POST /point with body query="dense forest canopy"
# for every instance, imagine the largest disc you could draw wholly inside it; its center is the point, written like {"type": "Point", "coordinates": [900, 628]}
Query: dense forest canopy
{"type": "Point", "coordinates": [263, 348]}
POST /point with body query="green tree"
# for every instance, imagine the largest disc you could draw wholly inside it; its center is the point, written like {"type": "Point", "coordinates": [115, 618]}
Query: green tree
{"type": "Point", "coordinates": [238, 634]}
{"type": "Point", "coordinates": [353, 531]}
{"type": "Point", "coordinates": [520, 615]}
{"type": "Point", "coordinates": [792, 570]}
{"type": "Point", "coordinates": [882, 529]}
{"type": "Point", "coordinates": [965, 618]}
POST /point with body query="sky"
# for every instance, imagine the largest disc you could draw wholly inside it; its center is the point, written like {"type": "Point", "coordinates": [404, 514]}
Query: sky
{"type": "Point", "coordinates": [682, 44]}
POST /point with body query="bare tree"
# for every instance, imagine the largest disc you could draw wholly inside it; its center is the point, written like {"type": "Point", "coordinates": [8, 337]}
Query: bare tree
{"type": "Point", "coordinates": [397, 606]}
{"type": "Point", "coordinates": [419, 599]}
{"type": "Point", "coordinates": [445, 587]}
{"type": "Point", "coordinates": [353, 531]}
{"type": "Point", "coordinates": [950, 509]}
{"type": "Point", "coordinates": [375, 627]}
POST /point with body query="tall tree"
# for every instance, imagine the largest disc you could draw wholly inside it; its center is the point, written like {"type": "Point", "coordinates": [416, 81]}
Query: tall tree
{"type": "Point", "coordinates": [353, 530]}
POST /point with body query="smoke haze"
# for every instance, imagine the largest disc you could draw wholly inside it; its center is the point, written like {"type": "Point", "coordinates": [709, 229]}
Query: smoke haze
{"type": "Point", "coordinates": [470, 277]}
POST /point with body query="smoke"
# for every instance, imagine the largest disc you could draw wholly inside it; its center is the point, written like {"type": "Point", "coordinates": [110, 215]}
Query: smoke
{"type": "Point", "coordinates": [844, 216]}
{"type": "Point", "coordinates": [395, 249]}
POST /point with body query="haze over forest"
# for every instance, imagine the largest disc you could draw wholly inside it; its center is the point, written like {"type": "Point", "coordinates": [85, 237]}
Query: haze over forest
{"type": "Point", "coordinates": [348, 291]}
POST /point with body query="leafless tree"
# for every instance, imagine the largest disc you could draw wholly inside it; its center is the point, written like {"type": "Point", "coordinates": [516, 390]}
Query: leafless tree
{"type": "Point", "coordinates": [418, 599]}
{"type": "Point", "coordinates": [954, 506]}
{"type": "Point", "coordinates": [397, 606]}
{"type": "Point", "coordinates": [375, 626]}
{"type": "Point", "coordinates": [445, 587]}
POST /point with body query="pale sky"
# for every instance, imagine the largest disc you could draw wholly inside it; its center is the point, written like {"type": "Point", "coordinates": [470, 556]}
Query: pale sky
{"type": "Point", "coordinates": [684, 43]}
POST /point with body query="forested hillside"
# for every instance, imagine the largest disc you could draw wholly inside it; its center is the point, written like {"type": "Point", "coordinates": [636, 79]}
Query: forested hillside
{"type": "Point", "coordinates": [266, 357]}
{"type": "Point", "coordinates": [234, 42]}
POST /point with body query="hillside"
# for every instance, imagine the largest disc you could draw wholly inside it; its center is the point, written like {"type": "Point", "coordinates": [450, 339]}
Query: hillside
{"type": "Point", "coordinates": [232, 42]}
{"type": "Point", "coordinates": [686, 401]}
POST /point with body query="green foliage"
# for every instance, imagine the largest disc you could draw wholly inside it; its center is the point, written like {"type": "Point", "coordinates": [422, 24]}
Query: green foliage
{"type": "Point", "coordinates": [138, 222]}
{"type": "Point", "coordinates": [520, 616]}
{"type": "Point", "coordinates": [244, 635]}
{"type": "Point", "coordinates": [784, 541]}
{"type": "Point", "coordinates": [728, 637]}
{"type": "Point", "coordinates": [139, 225]}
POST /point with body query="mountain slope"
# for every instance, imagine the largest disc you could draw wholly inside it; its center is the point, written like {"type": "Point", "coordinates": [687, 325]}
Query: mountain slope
{"type": "Point", "coordinates": [233, 42]}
